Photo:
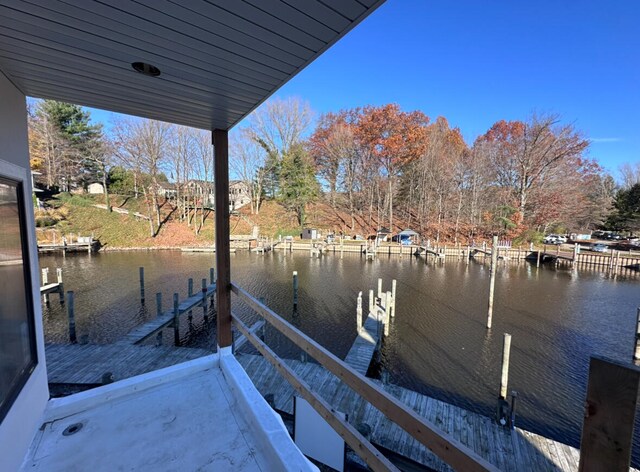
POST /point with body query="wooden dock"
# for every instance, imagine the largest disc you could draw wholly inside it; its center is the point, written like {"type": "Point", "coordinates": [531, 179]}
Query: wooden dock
{"type": "Point", "coordinates": [509, 450]}
{"type": "Point", "coordinates": [87, 363]}
{"type": "Point", "coordinates": [145, 331]}
{"type": "Point", "coordinates": [210, 249]}
{"type": "Point", "coordinates": [365, 345]}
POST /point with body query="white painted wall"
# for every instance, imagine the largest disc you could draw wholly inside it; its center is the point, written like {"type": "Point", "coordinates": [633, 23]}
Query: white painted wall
{"type": "Point", "coordinates": [19, 426]}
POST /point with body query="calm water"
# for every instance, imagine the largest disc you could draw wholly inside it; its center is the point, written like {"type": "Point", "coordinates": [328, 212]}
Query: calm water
{"type": "Point", "coordinates": [438, 343]}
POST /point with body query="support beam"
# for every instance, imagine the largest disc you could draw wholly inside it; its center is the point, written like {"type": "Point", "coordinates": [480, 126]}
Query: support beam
{"type": "Point", "coordinates": [223, 262]}
{"type": "Point", "coordinates": [610, 409]}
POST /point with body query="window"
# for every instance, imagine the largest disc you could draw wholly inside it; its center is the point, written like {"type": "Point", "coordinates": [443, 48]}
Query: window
{"type": "Point", "coordinates": [18, 355]}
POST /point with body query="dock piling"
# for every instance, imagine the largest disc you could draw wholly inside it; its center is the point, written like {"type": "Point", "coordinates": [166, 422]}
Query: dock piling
{"type": "Point", "coordinates": [492, 279]}
{"type": "Point", "coordinates": [204, 299]}
{"type": "Point", "coordinates": [387, 318]}
{"type": "Point", "coordinates": [141, 270]}
{"type": "Point", "coordinates": [176, 320]}
{"type": "Point", "coordinates": [512, 417]}
{"type": "Point", "coordinates": [61, 287]}
{"type": "Point", "coordinates": [45, 281]}
{"type": "Point", "coordinates": [506, 352]}
{"type": "Point", "coordinates": [190, 294]}
{"type": "Point", "coordinates": [636, 354]}
{"type": "Point", "coordinates": [372, 303]}
{"type": "Point", "coordinates": [72, 317]}
{"type": "Point", "coordinates": [392, 304]}
{"type": "Point", "coordinates": [359, 312]}
{"type": "Point", "coordinates": [380, 289]}
{"type": "Point", "coordinates": [212, 275]}
{"type": "Point", "coordinates": [295, 291]}
{"type": "Point", "coordinates": [158, 313]}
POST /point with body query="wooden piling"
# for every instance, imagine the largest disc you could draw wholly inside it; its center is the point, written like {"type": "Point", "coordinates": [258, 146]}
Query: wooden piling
{"type": "Point", "coordinates": [636, 354]}
{"type": "Point", "coordinates": [190, 287]}
{"type": "Point", "coordinates": [392, 303]}
{"type": "Point", "coordinates": [158, 313]}
{"type": "Point", "coordinates": [141, 270]}
{"type": "Point", "coordinates": [506, 351]}
{"type": "Point", "coordinates": [45, 281]}
{"type": "Point", "coordinates": [538, 259]}
{"type": "Point", "coordinates": [204, 299]}
{"type": "Point", "coordinates": [72, 317]}
{"type": "Point", "coordinates": [512, 417]}
{"type": "Point", "coordinates": [387, 298]}
{"type": "Point", "coordinates": [380, 289]}
{"type": "Point", "coordinates": [576, 252]}
{"type": "Point", "coordinates": [176, 320]}
{"type": "Point", "coordinates": [372, 303]}
{"type": "Point", "coordinates": [158, 304]}
{"type": "Point", "coordinates": [61, 287]}
{"type": "Point", "coordinates": [359, 312]}
{"type": "Point", "coordinates": [295, 291]}
{"type": "Point", "coordinates": [492, 279]}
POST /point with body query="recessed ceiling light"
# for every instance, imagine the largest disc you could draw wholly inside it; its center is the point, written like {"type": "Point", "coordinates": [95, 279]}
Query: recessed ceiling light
{"type": "Point", "coordinates": [146, 69]}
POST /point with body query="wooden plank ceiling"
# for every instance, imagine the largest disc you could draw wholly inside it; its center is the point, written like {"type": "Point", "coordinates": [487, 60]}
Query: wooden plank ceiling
{"type": "Point", "coordinates": [219, 59]}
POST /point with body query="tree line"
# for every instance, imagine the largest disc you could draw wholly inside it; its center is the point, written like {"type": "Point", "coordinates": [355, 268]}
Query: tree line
{"type": "Point", "coordinates": [387, 167]}
{"type": "Point", "coordinates": [380, 165]}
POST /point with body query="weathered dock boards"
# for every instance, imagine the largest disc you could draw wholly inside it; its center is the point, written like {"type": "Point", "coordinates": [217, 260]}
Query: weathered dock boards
{"type": "Point", "coordinates": [242, 340]}
{"type": "Point", "coordinates": [364, 347]}
{"type": "Point", "coordinates": [150, 328]}
{"type": "Point", "coordinates": [516, 450]}
{"type": "Point", "coordinates": [87, 363]}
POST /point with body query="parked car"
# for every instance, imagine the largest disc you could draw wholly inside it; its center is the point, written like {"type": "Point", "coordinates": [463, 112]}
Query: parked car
{"type": "Point", "coordinates": [600, 248]}
{"type": "Point", "coordinates": [554, 239]}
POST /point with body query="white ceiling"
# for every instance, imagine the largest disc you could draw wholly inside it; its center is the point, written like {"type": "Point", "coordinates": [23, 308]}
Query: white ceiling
{"type": "Point", "coordinates": [219, 59]}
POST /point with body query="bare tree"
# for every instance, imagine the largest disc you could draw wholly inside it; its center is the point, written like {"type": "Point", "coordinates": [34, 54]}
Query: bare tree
{"type": "Point", "coordinates": [143, 145]}
{"type": "Point", "coordinates": [280, 124]}
{"type": "Point", "coordinates": [630, 174]}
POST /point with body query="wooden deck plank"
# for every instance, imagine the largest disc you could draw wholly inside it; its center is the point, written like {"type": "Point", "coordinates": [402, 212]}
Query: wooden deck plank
{"type": "Point", "coordinates": [86, 364]}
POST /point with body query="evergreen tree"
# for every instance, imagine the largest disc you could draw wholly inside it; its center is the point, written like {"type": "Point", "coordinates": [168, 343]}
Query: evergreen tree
{"type": "Point", "coordinates": [626, 214]}
{"type": "Point", "coordinates": [298, 183]}
{"type": "Point", "coordinates": [64, 144]}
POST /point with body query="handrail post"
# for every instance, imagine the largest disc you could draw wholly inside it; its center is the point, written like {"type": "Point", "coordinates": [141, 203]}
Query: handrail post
{"type": "Point", "coordinates": [223, 261]}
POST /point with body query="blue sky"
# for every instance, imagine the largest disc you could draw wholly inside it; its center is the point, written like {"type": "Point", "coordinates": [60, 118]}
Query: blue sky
{"type": "Point", "coordinates": [476, 62]}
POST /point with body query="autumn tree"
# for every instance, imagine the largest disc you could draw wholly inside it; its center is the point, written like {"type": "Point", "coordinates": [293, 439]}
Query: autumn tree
{"type": "Point", "coordinates": [526, 154]}
{"type": "Point", "coordinates": [338, 156]}
{"type": "Point", "coordinates": [394, 138]}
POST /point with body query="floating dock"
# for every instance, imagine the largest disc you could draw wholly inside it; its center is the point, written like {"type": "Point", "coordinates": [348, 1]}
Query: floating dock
{"type": "Point", "coordinates": [87, 363]}
{"type": "Point", "coordinates": [365, 345]}
{"type": "Point", "coordinates": [145, 331]}
{"type": "Point", "coordinates": [509, 450]}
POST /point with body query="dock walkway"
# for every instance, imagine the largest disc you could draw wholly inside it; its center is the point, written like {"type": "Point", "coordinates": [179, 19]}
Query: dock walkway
{"type": "Point", "coordinates": [364, 347]}
{"type": "Point", "coordinates": [145, 331]}
{"type": "Point", "coordinates": [508, 450]}
{"type": "Point", "coordinates": [87, 363]}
